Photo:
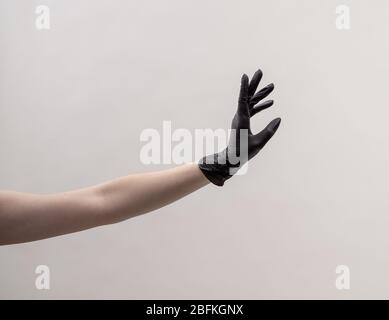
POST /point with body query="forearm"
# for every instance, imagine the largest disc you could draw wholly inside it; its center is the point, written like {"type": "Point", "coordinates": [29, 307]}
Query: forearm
{"type": "Point", "coordinates": [140, 193]}
{"type": "Point", "coordinates": [29, 217]}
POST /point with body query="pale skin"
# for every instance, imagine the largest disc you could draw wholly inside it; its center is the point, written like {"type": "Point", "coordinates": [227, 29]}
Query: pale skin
{"type": "Point", "coordinates": [28, 217]}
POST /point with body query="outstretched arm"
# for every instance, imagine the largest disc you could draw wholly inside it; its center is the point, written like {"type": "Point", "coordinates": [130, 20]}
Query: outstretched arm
{"type": "Point", "coordinates": [28, 217]}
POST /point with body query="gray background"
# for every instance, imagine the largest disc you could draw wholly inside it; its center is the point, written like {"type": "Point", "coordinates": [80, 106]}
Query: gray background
{"type": "Point", "coordinates": [74, 100]}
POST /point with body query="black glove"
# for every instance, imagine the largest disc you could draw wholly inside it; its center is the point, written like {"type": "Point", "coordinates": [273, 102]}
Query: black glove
{"type": "Point", "coordinates": [221, 166]}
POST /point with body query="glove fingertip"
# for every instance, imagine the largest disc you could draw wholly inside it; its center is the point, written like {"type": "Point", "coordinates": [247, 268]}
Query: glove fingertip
{"type": "Point", "coordinates": [273, 125]}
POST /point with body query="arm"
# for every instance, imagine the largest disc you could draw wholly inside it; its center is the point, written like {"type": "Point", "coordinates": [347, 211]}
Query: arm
{"type": "Point", "coordinates": [28, 217]}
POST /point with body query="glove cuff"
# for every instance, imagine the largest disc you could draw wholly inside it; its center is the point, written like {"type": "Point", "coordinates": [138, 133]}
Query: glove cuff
{"type": "Point", "coordinates": [215, 168]}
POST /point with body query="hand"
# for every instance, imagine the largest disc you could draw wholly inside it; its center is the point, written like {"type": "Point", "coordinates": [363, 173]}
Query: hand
{"type": "Point", "coordinates": [218, 167]}
{"type": "Point", "coordinates": [247, 107]}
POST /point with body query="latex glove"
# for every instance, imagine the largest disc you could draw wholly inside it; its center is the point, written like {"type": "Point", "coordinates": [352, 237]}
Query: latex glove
{"type": "Point", "coordinates": [221, 166]}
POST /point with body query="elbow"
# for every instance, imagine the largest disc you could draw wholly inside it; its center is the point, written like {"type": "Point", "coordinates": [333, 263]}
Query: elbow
{"type": "Point", "coordinates": [105, 207]}
{"type": "Point", "coordinates": [111, 206]}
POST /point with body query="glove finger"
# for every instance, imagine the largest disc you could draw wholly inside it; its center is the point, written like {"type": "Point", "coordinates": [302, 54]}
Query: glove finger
{"type": "Point", "coordinates": [265, 135]}
{"type": "Point", "coordinates": [260, 107]}
{"type": "Point", "coordinates": [243, 96]}
{"type": "Point", "coordinates": [255, 82]}
{"type": "Point", "coordinates": [263, 93]}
